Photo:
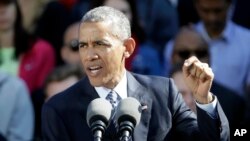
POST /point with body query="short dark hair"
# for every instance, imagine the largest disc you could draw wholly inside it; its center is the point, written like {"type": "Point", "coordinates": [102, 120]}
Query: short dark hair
{"type": "Point", "coordinates": [63, 72]}
{"type": "Point", "coordinates": [121, 25]}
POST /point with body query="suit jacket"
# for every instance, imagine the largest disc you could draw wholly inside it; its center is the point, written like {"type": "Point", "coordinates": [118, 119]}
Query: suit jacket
{"type": "Point", "coordinates": [166, 117]}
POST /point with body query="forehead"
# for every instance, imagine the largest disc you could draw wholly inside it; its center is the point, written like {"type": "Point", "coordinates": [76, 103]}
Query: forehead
{"type": "Point", "coordinates": [188, 40]}
{"type": "Point", "coordinates": [94, 29]}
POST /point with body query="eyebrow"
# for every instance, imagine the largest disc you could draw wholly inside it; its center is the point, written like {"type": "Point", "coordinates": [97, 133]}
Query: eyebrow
{"type": "Point", "coordinates": [103, 41]}
{"type": "Point", "coordinates": [95, 41]}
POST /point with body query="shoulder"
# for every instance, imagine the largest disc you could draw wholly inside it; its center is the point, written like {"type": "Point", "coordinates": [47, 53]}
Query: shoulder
{"type": "Point", "coordinates": [150, 79]}
{"type": "Point", "coordinates": [157, 84]}
{"type": "Point", "coordinates": [11, 81]}
{"type": "Point", "coordinates": [242, 31]}
{"type": "Point", "coordinates": [40, 51]}
{"type": "Point", "coordinates": [13, 86]}
{"type": "Point", "coordinates": [42, 45]}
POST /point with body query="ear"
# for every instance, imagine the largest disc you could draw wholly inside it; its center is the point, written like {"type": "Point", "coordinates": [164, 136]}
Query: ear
{"type": "Point", "coordinates": [129, 45]}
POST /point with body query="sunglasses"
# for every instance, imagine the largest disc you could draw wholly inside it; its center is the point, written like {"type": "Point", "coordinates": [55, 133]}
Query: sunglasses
{"type": "Point", "coordinates": [73, 45]}
{"type": "Point", "coordinates": [184, 54]}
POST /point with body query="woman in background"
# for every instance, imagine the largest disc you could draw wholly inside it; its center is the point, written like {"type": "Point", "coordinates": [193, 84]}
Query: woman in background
{"type": "Point", "coordinates": [22, 54]}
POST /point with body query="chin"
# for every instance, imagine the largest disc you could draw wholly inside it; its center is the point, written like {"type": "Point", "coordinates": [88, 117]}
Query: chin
{"type": "Point", "coordinates": [96, 83]}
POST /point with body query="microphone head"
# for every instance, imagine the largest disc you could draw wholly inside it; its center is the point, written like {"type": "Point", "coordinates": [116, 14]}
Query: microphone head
{"type": "Point", "coordinates": [99, 109]}
{"type": "Point", "coordinates": [129, 109]}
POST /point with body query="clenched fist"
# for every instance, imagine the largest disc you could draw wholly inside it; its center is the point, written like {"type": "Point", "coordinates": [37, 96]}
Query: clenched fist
{"type": "Point", "coordinates": [199, 78]}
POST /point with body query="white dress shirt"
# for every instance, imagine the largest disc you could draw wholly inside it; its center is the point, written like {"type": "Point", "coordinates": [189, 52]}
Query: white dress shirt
{"type": "Point", "coordinates": [120, 89]}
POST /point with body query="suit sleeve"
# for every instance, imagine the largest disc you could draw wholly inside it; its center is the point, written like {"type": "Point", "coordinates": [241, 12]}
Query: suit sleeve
{"type": "Point", "coordinates": [53, 127]}
{"type": "Point", "coordinates": [213, 128]}
{"type": "Point", "coordinates": [202, 127]}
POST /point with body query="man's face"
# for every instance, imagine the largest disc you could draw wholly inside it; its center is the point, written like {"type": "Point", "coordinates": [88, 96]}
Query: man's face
{"type": "Point", "coordinates": [102, 54]}
{"type": "Point", "coordinates": [213, 13]}
{"type": "Point", "coordinates": [189, 44]}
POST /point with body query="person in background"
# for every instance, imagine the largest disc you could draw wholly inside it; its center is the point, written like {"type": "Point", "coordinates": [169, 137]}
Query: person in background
{"type": "Point", "coordinates": [22, 54]}
{"type": "Point", "coordinates": [58, 80]}
{"type": "Point", "coordinates": [187, 42]}
{"type": "Point", "coordinates": [228, 44]}
{"type": "Point", "coordinates": [47, 19]}
{"type": "Point", "coordinates": [69, 50]}
{"type": "Point", "coordinates": [61, 78]}
{"type": "Point", "coordinates": [16, 110]}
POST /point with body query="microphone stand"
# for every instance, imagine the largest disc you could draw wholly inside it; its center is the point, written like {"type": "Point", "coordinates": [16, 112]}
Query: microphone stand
{"type": "Point", "coordinates": [126, 136]}
{"type": "Point", "coordinates": [98, 127]}
{"type": "Point", "coordinates": [97, 136]}
{"type": "Point", "coordinates": [126, 128]}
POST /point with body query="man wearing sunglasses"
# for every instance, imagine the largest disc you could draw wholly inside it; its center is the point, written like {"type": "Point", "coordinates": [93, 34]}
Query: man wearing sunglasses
{"type": "Point", "coordinates": [189, 43]}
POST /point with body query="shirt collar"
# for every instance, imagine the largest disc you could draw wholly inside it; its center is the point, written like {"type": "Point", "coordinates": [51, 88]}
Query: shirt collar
{"type": "Point", "coordinates": [226, 34]}
{"type": "Point", "coordinates": [120, 89]}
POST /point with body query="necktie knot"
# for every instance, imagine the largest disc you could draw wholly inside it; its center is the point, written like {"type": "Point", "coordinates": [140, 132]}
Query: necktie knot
{"type": "Point", "coordinates": [113, 98]}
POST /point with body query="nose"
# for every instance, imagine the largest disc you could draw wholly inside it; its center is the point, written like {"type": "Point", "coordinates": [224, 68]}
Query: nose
{"type": "Point", "coordinates": [91, 54]}
{"type": "Point", "coordinates": [212, 16]}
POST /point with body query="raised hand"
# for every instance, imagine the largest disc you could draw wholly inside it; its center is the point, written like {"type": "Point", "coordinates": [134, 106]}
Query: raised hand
{"type": "Point", "coordinates": [199, 78]}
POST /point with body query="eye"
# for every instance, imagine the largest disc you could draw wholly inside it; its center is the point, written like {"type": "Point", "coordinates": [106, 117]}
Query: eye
{"type": "Point", "coordinates": [101, 43]}
{"type": "Point", "coordinates": [82, 45]}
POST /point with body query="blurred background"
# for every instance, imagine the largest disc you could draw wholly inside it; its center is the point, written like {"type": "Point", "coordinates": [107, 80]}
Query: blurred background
{"type": "Point", "coordinates": [39, 52]}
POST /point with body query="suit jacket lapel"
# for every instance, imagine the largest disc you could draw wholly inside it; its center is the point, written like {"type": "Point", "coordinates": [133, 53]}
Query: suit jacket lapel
{"type": "Point", "coordinates": [89, 89]}
{"type": "Point", "coordinates": [136, 90]}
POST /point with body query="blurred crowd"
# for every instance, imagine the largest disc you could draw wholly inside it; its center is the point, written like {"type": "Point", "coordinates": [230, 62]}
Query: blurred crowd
{"type": "Point", "coordinates": [39, 52]}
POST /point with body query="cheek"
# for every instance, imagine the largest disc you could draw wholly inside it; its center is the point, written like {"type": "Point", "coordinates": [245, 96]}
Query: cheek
{"type": "Point", "coordinates": [82, 56]}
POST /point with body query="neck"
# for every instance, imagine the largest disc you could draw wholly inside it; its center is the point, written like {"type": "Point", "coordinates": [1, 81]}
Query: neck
{"type": "Point", "coordinates": [116, 80]}
{"type": "Point", "coordinates": [214, 35]}
{"type": "Point", "coordinates": [7, 38]}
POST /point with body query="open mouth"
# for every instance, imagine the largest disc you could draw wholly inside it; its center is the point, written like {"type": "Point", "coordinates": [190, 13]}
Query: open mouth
{"type": "Point", "coordinates": [94, 70]}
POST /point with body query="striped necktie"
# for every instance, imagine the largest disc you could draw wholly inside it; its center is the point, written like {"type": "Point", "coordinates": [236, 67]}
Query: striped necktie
{"type": "Point", "coordinates": [114, 99]}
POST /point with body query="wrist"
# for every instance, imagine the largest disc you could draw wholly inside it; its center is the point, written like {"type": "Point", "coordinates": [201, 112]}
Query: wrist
{"type": "Point", "coordinates": [205, 100]}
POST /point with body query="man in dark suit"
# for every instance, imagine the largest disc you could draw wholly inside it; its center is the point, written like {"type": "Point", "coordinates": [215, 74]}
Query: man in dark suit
{"type": "Point", "coordinates": [104, 44]}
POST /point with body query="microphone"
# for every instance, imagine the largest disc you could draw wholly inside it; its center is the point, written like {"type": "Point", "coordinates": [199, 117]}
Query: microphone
{"type": "Point", "coordinates": [128, 117]}
{"type": "Point", "coordinates": [98, 115]}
